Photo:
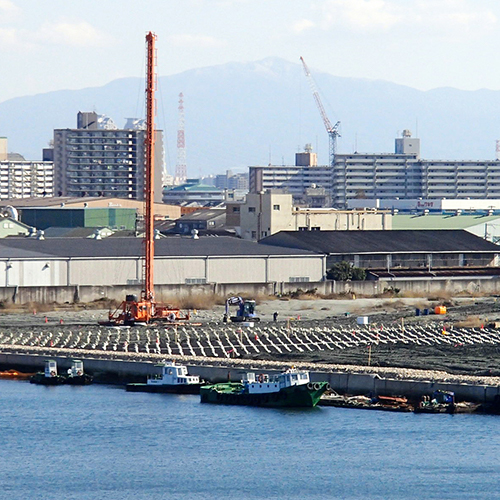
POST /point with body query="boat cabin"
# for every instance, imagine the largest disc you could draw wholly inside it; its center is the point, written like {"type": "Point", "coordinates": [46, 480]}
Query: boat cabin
{"type": "Point", "coordinates": [443, 397]}
{"type": "Point", "coordinates": [50, 368]}
{"type": "Point", "coordinates": [264, 383]}
{"type": "Point", "coordinates": [172, 374]}
{"type": "Point", "coordinates": [76, 369]}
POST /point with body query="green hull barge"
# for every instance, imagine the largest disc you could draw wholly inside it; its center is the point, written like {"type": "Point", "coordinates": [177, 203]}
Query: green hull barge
{"type": "Point", "coordinates": [291, 389]}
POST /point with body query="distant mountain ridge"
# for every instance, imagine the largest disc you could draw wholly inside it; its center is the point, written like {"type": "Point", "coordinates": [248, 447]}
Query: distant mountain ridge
{"type": "Point", "coordinates": [241, 114]}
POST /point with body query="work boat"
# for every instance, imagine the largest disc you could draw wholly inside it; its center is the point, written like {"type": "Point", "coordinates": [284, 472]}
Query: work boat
{"type": "Point", "coordinates": [49, 376]}
{"type": "Point", "coordinates": [76, 375]}
{"type": "Point", "coordinates": [292, 388]}
{"type": "Point", "coordinates": [172, 378]}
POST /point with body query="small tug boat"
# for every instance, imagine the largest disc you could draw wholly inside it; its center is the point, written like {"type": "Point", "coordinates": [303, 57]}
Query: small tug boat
{"type": "Point", "coordinates": [444, 402]}
{"type": "Point", "coordinates": [49, 376]}
{"type": "Point", "coordinates": [76, 375]}
{"type": "Point", "coordinates": [291, 389]}
{"type": "Point", "coordinates": [171, 379]}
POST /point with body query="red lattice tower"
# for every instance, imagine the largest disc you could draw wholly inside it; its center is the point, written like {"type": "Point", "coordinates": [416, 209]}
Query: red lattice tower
{"type": "Point", "coordinates": [180, 167]}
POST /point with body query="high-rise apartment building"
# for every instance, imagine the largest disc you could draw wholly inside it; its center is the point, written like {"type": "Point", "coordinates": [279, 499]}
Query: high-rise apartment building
{"type": "Point", "coordinates": [20, 178]}
{"type": "Point", "coordinates": [98, 159]}
{"type": "Point", "coordinates": [402, 174]}
{"type": "Point", "coordinates": [294, 180]}
{"type": "Point", "coordinates": [386, 175]}
{"type": "Point", "coordinates": [26, 179]}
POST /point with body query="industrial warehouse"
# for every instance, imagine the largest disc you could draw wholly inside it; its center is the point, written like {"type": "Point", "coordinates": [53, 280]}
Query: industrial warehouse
{"type": "Point", "coordinates": [115, 264]}
{"type": "Point", "coordinates": [67, 269]}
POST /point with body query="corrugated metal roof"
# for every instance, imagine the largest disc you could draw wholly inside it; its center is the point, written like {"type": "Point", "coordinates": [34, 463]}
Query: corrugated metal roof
{"type": "Point", "coordinates": [201, 188]}
{"type": "Point", "coordinates": [203, 215]}
{"type": "Point", "coordinates": [69, 232]}
{"type": "Point", "coordinates": [52, 201]}
{"type": "Point", "coordinates": [393, 241]}
{"type": "Point", "coordinates": [440, 221]}
{"type": "Point", "coordinates": [129, 247]}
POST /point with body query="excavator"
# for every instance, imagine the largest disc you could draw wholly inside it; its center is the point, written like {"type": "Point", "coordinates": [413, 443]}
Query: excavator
{"type": "Point", "coordinates": [145, 309]}
{"type": "Point", "coordinates": [245, 311]}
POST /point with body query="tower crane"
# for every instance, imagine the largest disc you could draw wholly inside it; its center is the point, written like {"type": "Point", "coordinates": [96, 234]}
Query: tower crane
{"type": "Point", "coordinates": [332, 130]}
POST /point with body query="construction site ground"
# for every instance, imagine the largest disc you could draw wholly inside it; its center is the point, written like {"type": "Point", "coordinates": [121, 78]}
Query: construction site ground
{"type": "Point", "coordinates": [311, 312]}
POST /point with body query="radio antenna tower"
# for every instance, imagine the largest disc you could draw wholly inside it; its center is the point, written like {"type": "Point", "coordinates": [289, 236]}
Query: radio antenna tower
{"type": "Point", "coordinates": [180, 167]}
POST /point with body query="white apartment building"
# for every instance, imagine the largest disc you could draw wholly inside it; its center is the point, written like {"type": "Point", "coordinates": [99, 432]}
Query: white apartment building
{"type": "Point", "coordinates": [26, 179]}
{"type": "Point", "coordinates": [460, 179]}
{"type": "Point", "coordinates": [375, 176]}
{"type": "Point", "coordinates": [22, 178]}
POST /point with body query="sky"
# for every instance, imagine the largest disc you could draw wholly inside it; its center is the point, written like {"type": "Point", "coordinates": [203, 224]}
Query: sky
{"type": "Point", "coordinates": [59, 44]}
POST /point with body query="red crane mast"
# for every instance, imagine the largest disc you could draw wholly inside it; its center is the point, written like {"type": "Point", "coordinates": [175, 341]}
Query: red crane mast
{"type": "Point", "coordinates": [147, 310]}
{"type": "Point", "coordinates": [149, 242]}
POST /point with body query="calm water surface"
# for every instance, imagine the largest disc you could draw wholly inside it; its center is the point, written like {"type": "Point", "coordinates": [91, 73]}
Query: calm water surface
{"type": "Point", "coordinates": [100, 442]}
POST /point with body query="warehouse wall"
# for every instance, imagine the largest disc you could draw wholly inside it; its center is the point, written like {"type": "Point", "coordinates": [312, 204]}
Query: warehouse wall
{"type": "Point", "coordinates": [167, 271]}
{"type": "Point", "coordinates": [34, 272]}
{"type": "Point", "coordinates": [176, 271]}
{"type": "Point", "coordinates": [90, 272]}
{"type": "Point", "coordinates": [283, 268]}
{"type": "Point", "coordinates": [237, 270]}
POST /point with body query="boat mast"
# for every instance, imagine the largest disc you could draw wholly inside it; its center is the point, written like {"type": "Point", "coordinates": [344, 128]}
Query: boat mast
{"type": "Point", "coordinates": [148, 292]}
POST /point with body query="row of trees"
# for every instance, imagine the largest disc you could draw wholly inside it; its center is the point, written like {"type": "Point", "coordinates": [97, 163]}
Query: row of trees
{"type": "Point", "coordinates": [345, 271]}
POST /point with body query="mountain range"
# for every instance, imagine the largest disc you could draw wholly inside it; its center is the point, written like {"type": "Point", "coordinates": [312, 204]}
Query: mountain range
{"type": "Point", "coordinates": [241, 114]}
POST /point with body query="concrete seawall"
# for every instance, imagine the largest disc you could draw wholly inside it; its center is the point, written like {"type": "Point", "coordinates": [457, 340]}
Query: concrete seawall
{"type": "Point", "coordinates": [121, 367]}
{"type": "Point", "coordinates": [419, 286]}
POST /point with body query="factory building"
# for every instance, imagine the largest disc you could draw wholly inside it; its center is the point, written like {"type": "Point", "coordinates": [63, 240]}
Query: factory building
{"type": "Point", "coordinates": [400, 252]}
{"type": "Point", "coordinates": [160, 210]}
{"type": "Point", "coordinates": [116, 262]}
{"type": "Point", "coordinates": [267, 213]}
{"type": "Point", "coordinates": [193, 192]}
{"type": "Point", "coordinates": [112, 217]}
{"type": "Point", "coordinates": [453, 206]}
{"type": "Point", "coordinates": [98, 159]}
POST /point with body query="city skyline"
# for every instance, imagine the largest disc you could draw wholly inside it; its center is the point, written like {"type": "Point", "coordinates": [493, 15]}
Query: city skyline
{"type": "Point", "coordinates": [422, 44]}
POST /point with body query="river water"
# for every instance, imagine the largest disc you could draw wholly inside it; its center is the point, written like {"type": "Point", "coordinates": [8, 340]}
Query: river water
{"type": "Point", "coordinates": [100, 442]}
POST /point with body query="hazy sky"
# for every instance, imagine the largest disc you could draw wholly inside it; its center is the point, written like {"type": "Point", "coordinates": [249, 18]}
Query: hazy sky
{"type": "Point", "coordinates": [69, 44]}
